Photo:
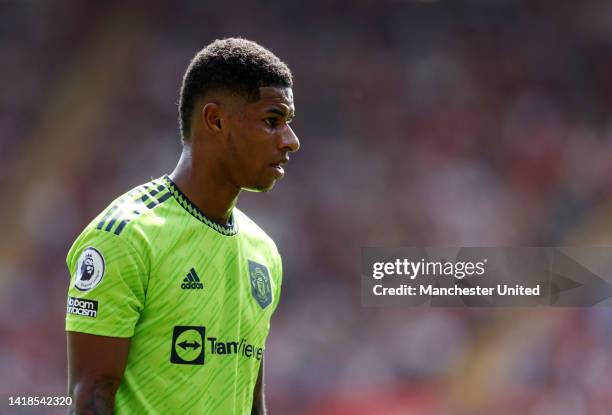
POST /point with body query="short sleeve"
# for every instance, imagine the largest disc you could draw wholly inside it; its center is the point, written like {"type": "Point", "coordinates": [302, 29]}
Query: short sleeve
{"type": "Point", "coordinates": [107, 285]}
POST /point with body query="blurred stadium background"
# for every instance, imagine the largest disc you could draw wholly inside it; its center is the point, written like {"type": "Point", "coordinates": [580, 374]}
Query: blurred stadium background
{"type": "Point", "coordinates": [460, 123]}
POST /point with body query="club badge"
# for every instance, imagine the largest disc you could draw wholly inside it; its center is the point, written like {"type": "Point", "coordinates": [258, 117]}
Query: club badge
{"type": "Point", "coordinates": [260, 283]}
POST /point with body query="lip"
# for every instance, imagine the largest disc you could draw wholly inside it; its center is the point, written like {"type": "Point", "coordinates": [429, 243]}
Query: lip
{"type": "Point", "coordinates": [278, 169]}
{"type": "Point", "coordinates": [282, 161]}
{"type": "Point", "coordinates": [278, 166]}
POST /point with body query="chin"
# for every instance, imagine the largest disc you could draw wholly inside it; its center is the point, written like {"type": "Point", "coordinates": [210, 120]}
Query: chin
{"type": "Point", "coordinates": [260, 187]}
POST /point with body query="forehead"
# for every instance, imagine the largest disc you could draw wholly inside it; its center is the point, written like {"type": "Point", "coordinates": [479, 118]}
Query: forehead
{"type": "Point", "coordinates": [275, 97]}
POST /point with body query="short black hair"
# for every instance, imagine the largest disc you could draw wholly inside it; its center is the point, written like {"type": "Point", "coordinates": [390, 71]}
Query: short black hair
{"type": "Point", "coordinates": [234, 64]}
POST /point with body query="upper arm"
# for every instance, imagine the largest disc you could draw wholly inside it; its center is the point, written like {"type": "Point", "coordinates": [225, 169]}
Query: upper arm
{"type": "Point", "coordinates": [108, 284]}
{"type": "Point", "coordinates": [95, 369]}
{"type": "Point", "coordinates": [105, 298]}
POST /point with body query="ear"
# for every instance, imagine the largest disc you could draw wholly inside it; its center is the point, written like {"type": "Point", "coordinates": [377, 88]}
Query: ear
{"type": "Point", "coordinates": [211, 116]}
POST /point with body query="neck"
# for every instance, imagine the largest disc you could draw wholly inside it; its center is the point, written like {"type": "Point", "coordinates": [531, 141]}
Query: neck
{"type": "Point", "coordinates": [205, 187]}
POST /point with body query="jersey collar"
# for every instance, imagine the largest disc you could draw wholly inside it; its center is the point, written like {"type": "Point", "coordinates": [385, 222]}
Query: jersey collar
{"type": "Point", "coordinates": [228, 230]}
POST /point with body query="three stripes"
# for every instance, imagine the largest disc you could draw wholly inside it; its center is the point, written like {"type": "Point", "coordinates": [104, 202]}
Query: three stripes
{"type": "Point", "coordinates": [192, 276]}
{"type": "Point", "coordinates": [143, 197]}
{"type": "Point", "coordinates": [192, 281]}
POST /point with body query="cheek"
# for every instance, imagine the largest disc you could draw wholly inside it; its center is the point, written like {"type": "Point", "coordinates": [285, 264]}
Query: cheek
{"type": "Point", "coordinates": [245, 156]}
{"type": "Point", "coordinates": [257, 146]}
{"type": "Point", "coordinates": [253, 145]}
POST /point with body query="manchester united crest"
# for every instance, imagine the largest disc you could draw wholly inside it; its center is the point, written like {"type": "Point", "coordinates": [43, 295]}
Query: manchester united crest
{"type": "Point", "coordinates": [260, 283]}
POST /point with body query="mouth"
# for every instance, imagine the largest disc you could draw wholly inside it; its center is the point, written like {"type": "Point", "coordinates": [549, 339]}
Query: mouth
{"type": "Point", "coordinates": [279, 166]}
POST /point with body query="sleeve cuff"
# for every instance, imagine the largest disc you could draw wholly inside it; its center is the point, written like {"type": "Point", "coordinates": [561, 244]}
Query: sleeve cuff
{"type": "Point", "coordinates": [98, 328]}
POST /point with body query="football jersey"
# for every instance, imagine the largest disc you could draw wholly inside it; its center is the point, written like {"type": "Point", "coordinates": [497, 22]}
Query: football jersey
{"type": "Point", "coordinates": [194, 296]}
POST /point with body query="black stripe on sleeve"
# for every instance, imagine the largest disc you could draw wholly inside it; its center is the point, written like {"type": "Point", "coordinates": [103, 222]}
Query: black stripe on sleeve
{"type": "Point", "coordinates": [121, 226]}
{"type": "Point", "coordinates": [105, 218]}
{"type": "Point", "coordinates": [164, 197]}
{"type": "Point", "coordinates": [111, 223]}
{"type": "Point", "coordinates": [125, 222]}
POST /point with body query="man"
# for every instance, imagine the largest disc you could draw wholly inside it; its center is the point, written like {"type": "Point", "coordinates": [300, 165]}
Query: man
{"type": "Point", "coordinates": [173, 310]}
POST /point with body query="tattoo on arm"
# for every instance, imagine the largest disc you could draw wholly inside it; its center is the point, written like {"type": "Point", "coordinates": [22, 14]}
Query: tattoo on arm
{"type": "Point", "coordinates": [99, 399]}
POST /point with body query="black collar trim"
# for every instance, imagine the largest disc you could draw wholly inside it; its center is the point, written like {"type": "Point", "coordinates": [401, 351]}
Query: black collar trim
{"type": "Point", "coordinates": [228, 230]}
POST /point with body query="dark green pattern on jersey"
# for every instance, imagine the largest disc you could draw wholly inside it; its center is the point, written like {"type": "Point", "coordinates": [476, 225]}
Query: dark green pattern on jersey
{"type": "Point", "coordinates": [156, 239]}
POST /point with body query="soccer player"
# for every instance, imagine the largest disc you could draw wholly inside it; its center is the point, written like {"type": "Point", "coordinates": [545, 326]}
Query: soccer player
{"type": "Point", "coordinates": [172, 287]}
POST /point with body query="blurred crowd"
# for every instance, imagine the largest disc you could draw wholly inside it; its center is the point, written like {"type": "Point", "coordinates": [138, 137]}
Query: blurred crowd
{"type": "Point", "coordinates": [422, 123]}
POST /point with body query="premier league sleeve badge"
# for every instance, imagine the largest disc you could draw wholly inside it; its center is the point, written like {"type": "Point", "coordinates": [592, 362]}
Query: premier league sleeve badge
{"type": "Point", "coordinates": [90, 269]}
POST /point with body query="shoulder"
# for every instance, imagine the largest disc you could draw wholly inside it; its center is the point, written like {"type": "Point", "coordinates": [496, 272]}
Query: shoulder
{"type": "Point", "coordinates": [138, 209]}
{"type": "Point", "coordinates": [127, 221]}
{"type": "Point", "coordinates": [141, 205]}
{"type": "Point", "coordinates": [261, 244]}
{"type": "Point", "coordinates": [249, 229]}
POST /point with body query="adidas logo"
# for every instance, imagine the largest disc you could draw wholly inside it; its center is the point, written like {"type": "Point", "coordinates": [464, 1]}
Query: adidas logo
{"type": "Point", "coordinates": [192, 281]}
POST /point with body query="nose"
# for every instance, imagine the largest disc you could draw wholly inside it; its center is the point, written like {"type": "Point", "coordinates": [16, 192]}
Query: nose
{"type": "Point", "coordinates": [290, 142]}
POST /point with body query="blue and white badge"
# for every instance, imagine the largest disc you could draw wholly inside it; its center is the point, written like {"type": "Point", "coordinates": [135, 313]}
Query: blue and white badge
{"type": "Point", "coordinates": [90, 269]}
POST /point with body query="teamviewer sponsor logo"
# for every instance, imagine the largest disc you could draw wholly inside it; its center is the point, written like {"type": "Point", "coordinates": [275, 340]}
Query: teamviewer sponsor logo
{"type": "Point", "coordinates": [192, 281]}
{"type": "Point", "coordinates": [86, 308]}
{"type": "Point", "coordinates": [190, 344]}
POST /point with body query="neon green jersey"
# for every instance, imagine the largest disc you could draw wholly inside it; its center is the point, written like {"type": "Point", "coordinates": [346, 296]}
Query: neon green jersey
{"type": "Point", "coordinates": [195, 297]}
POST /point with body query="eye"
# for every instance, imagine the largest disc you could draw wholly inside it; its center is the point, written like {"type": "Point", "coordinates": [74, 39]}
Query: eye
{"type": "Point", "coordinates": [272, 121]}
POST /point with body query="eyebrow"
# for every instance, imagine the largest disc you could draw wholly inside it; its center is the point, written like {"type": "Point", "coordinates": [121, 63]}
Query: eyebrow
{"type": "Point", "coordinates": [282, 113]}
